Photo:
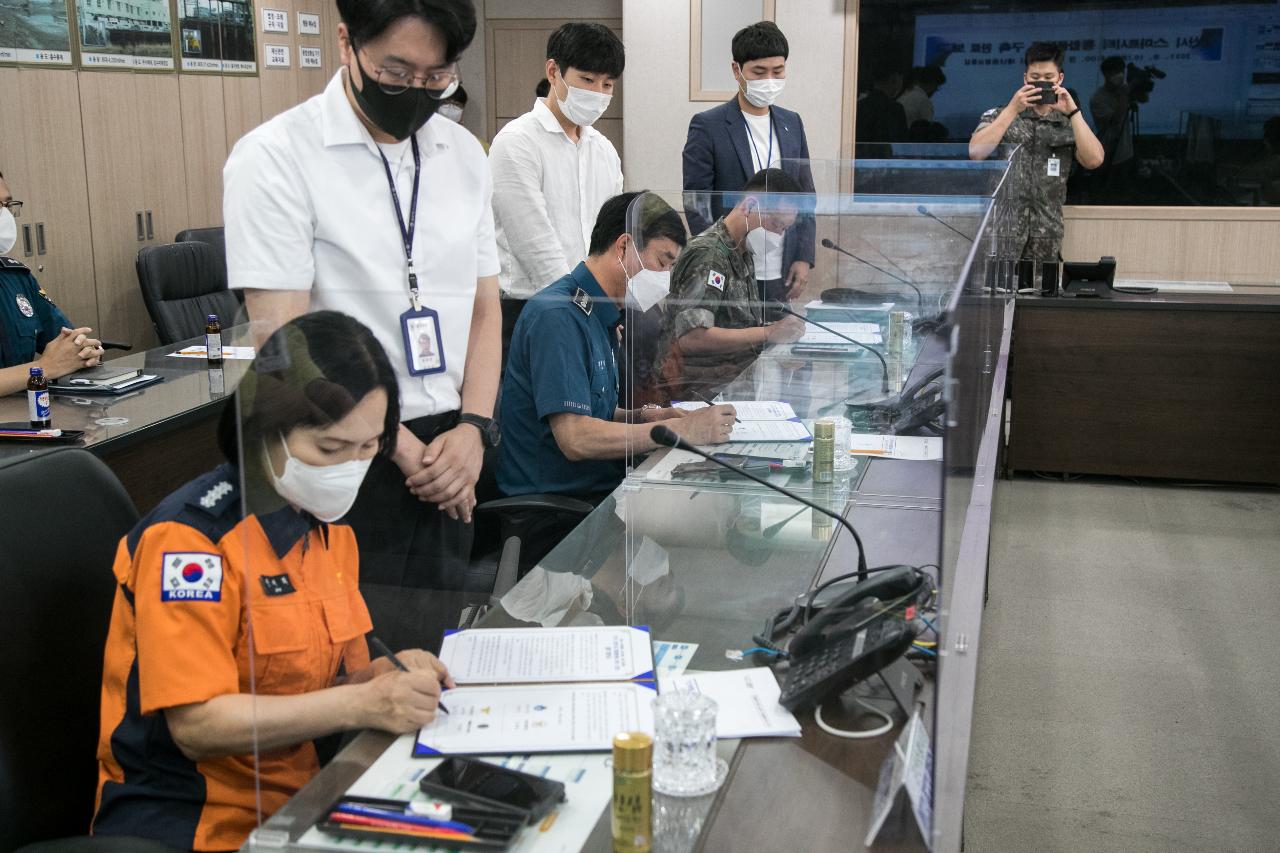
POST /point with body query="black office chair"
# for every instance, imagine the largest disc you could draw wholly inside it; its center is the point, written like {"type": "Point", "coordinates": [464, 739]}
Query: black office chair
{"type": "Point", "coordinates": [183, 283]}
{"type": "Point", "coordinates": [56, 594]}
{"type": "Point", "coordinates": [216, 237]}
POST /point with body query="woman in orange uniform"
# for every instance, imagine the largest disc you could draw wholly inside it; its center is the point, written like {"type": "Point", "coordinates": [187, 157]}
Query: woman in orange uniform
{"type": "Point", "coordinates": [237, 635]}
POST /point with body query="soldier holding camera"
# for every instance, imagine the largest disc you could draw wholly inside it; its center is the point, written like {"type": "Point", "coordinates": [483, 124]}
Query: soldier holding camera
{"type": "Point", "coordinates": [1044, 119]}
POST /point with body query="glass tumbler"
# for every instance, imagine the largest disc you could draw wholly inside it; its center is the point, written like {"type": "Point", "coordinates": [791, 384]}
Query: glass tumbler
{"type": "Point", "coordinates": [684, 745]}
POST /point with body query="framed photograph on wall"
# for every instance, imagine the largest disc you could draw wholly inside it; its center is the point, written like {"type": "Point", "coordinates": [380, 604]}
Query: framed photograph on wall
{"type": "Point", "coordinates": [712, 24]}
{"type": "Point", "coordinates": [36, 32]}
{"type": "Point", "coordinates": [135, 36]}
{"type": "Point", "coordinates": [217, 36]}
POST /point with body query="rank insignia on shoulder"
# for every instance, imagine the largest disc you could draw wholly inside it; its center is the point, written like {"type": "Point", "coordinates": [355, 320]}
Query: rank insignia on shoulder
{"type": "Point", "coordinates": [11, 263]}
{"type": "Point", "coordinates": [990, 115]}
{"type": "Point", "coordinates": [583, 300]}
{"type": "Point", "coordinates": [716, 280]}
{"type": "Point", "coordinates": [47, 297]}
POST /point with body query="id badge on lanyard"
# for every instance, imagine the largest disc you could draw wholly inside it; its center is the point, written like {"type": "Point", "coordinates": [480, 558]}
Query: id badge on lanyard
{"type": "Point", "coordinates": [1054, 167]}
{"type": "Point", "coordinates": [419, 326]}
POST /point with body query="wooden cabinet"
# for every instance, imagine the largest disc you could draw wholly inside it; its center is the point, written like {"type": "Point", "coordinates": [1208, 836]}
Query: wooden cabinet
{"type": "Point", "coordinates": [42, 113]}
{"type": "Point", "coordinates": [136, 172]}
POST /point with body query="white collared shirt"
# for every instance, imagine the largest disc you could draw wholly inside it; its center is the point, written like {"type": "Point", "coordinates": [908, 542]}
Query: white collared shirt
{"type": "Point", "coordinates": [547, 192]}
{"type": "Point", "coordinates": [307, 207]}
{"type": "Point", "coordinates": [762, 139]}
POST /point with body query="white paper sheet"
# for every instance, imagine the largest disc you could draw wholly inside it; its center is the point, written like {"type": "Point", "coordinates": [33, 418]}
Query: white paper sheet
{"type": "Point", "coordinates": [537, 718]}
{"type": "Point", "coordinates": [749, 410]}
{"type": "Point", "coordinates": [235, 353]}
{"type": "Point", "coordinates": [756, 431]}
{"type": "Point", "coordinates": [919, 448]}
{"type": "Point", "coordinates": [841, 306]}
{"type": "Point", "coordinates": [523, 655]}
{"type": "Point", "coordinates": [747, 700]}
{"type": "Point", "coordinates": [587, 777]}
{"type": "Point", "coordinates": [866, 333]}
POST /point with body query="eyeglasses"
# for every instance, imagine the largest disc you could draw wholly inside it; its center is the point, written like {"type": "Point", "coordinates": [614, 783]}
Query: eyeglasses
{"type": "Point", "coordinates": [14, 207]}
{"type": "Point", "coordinates": [440, 83]}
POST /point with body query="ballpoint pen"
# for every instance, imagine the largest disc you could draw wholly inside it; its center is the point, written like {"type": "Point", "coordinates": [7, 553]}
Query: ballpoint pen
{"type": "Point", "coordinates": [381, 648]}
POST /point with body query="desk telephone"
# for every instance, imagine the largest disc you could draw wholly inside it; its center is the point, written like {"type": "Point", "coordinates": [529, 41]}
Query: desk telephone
{"type": "Point", "coordinates": [920, 406]}
{"type": "Point", "coordinates": [857, 633]}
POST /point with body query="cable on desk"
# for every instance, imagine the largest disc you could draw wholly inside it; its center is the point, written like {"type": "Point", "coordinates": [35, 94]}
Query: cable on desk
{"type": "Point", "coordinates": [861, 734]}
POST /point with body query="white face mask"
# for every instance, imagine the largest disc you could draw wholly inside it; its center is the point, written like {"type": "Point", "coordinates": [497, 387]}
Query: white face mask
{"type": "Point", "coordinates": [646, 288]}
{"type": "Point", "coordinates": [582, 106]}
{"type": "Point", "coordinates": [762, 241]}
{"type": "Point", "coordinates": [8, 231]}
{"type": "Point", "coordinates": [762, 93]}
{"type": "Point", "coordinates": [325, 491]}
{"type": "Point", "coordinates": [452, 112]}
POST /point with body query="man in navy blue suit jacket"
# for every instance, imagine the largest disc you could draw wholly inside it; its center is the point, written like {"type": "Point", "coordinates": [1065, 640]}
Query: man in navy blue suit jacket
{"type": "Point", "coordinates": [730, 143]}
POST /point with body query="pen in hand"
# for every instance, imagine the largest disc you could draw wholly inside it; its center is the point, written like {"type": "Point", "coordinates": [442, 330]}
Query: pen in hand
{"type": "Point", "coordinates": [703, 399]}
{"type": "Point", "coordinates": [381, 648]}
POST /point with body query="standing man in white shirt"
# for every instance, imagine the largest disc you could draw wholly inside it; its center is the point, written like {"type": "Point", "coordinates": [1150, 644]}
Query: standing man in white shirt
{"type": "Point", "coordinates": [730, 143]}
{"type": "Point", "coordinates": [364, 201]}
{"type": "Point", "coordinates": [552, 171]}
{"type": "Point", "coordinates": [917, 98]}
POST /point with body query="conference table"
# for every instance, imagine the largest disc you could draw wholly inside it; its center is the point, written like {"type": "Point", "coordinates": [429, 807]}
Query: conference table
{"type": "Point", "coordinates": [1174, 384]}
{"type": "Point", "coordinates": [705, 563]}
{"type": "Point", "coordinates": [156, 438]}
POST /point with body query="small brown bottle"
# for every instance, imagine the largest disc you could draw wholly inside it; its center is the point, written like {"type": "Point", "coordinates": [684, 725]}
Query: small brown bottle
{"type": "Point", "coordinates": [38, 399]}
{"type": "Point", "coordinates": [213, 340]}
{"type": "Point", "coordinates": [632, 792]}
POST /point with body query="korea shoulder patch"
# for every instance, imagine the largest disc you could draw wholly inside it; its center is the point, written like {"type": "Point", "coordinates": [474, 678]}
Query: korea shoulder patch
{"type": "Point", "coordinates": [191, 576]}
{"type": "Point", "coordinates": [716, 280]}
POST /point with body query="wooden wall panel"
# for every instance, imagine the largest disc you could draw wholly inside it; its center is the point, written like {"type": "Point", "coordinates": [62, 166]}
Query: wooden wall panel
{"type": "Point", "coordinates": [242, 106]}
{"type": "Point", "coordinates": [204, 146]}
{"type": "Point", "coordinates": [161, 143]}
{"type": "Point", "coordinates": [109, 111]}
{"type": "Point", "coordinates": [280, 86]}
{"type": "Point", "coordinates": [1239, 245]}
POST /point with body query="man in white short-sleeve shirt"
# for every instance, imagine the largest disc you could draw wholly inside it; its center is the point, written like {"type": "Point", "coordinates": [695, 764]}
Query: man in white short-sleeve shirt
{"type": "Point", "coordinates": [310, 207]}
{"type": "Point", "coordinates": [552, 171]}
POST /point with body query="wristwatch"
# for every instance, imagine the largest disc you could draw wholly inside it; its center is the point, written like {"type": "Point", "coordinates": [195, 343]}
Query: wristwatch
{"type": "Point", "coordinates": [489, 432]}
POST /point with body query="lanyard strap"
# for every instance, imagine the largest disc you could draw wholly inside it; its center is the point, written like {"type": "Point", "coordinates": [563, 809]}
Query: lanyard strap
{"type": "Point", "coordinates": [406, 233]}
{"type": "Point", "coordinates": [756, 151]}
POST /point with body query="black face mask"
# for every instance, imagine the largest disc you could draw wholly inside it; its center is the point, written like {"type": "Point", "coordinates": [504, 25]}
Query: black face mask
{"type": "Point", "coordinates": [399, 115]}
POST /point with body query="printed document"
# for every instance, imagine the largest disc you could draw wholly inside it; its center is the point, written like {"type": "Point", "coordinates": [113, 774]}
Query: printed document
{"type": "Point", "coordinates": [919, 448]}
{"type": "Point", "coordinates": [747, 700]}
{"type": "Point", "coordinates": [864, 333]}
{"type": "Point", "coordinates": [524, 655]}
{"type": "Point", "coordinates": [749, 410]}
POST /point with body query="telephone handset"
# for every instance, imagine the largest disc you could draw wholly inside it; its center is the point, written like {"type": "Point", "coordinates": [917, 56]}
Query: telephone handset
{"type": "Point", "coordinates": [920, 406]}
{"type": "Point", "coordinates": [859, 633]}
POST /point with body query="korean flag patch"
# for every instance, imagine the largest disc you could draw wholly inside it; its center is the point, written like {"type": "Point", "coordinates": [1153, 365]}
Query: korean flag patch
{"type": "Point", "coordinates": [716, 280]}
{"type": "Point", "coordinates": [191, 577]}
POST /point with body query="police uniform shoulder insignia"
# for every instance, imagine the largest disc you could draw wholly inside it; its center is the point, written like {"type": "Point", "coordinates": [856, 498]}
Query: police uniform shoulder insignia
{"type": "Point", "coordinates": [191, 576]}
{"type": "Point", "coordinates": [24, 305]}
{"type": "Point", "coordinates": [990, 115]}
{"type": "Point", "coordinates": [11, 263]}
{"type": "Point", "coordinates": [716, 280]}
{"type": "Point", "coordinates": [47, 297]}
{"type": "Point", "coordinates": [583, 300]}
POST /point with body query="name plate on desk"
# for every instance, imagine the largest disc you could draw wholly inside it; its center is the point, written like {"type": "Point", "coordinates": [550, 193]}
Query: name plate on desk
{"type": "Point", "coordinates": [909, 767]}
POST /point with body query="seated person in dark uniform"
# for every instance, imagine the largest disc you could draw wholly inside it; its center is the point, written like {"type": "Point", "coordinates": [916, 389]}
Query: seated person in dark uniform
{"type": "Point", "coordinates": [713, 320]}
{"type": "Point", "coordinates": [562, 429]}
{"type": "Point", "coordinates": [238, 625]}
{"type": "Point", "coordinates": [33, 332]}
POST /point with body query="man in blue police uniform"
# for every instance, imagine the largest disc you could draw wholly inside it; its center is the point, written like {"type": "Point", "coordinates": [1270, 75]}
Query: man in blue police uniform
{"type": "Point", "coordinates": [562, 430]}
{"type": "Point", "coordinates": [33, 332]}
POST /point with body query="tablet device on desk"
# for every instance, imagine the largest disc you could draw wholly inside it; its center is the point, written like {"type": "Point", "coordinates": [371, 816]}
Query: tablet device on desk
{"type": "Point", "coordinates": [74, 384]}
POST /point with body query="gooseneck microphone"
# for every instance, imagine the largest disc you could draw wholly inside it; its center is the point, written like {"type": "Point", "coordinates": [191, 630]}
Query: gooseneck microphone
{"type": "Point", "coordinates": [665, 437]}
{"type": "Point", "coordinates": [884, 365]}
{"type": "Point", "coordinates": [827, 244]}
{"type": "Point", "coordinates": [924, 211]}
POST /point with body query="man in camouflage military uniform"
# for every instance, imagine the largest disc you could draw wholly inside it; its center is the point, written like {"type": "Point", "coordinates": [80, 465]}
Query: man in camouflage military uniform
{"type": "Point", "coordinates": [1049, 136]}
{"type": "Point", "coordinates": [713, 324]}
